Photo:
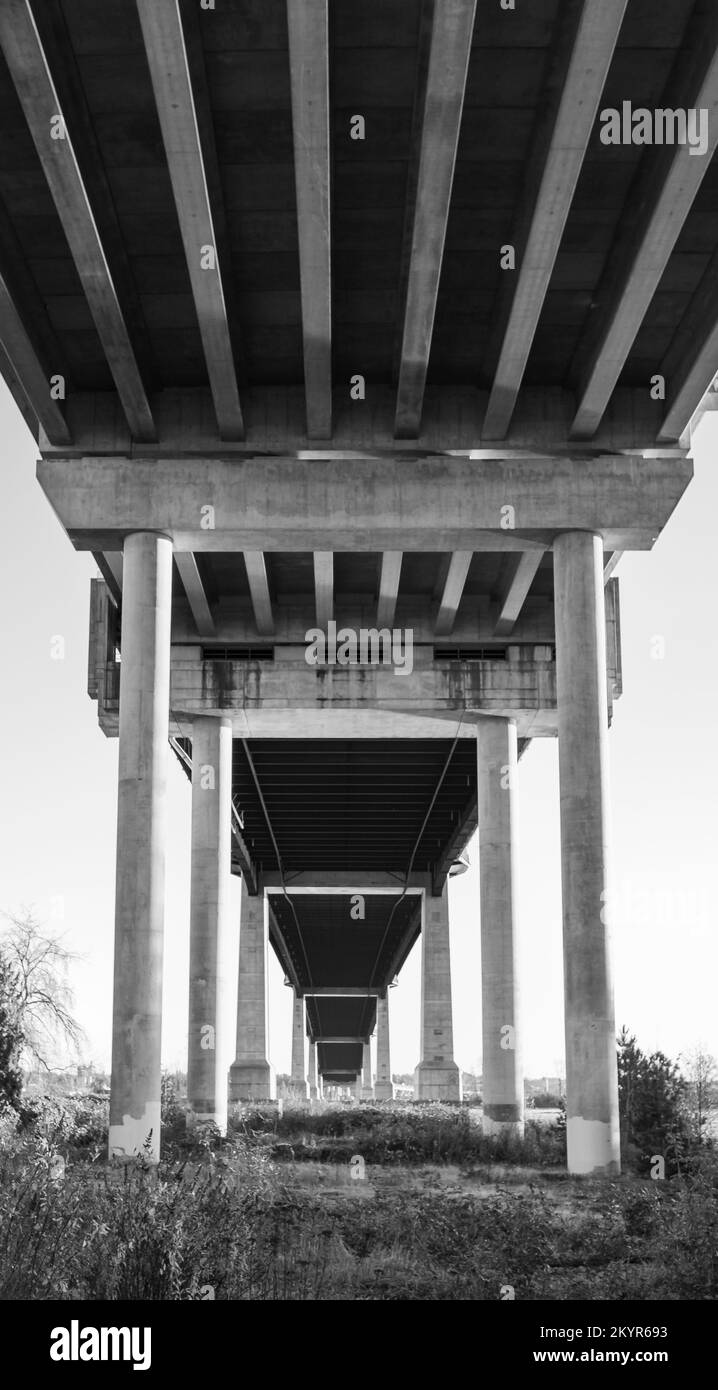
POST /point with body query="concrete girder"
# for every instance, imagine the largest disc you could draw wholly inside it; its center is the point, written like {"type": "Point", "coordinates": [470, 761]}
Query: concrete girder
{"type": "Point", "coordinates": [444, 504]}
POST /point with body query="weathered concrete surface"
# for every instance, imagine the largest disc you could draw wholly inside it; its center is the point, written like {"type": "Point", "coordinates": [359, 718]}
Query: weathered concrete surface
{"type": "Point", "coordinates": [502, 1083]}
{"type": "Point", "coordinates": [439, 504]}
{"type": "Point", "coordinates": [209, 921]}
{"type": "Point", "coordinates": [314, 1077]}
{"type": "Point", "coordinates": [437, 1076]}
{"type": "Point", "coordinates": [591, 1069]}
{"type": "Point", "coordinates": [383, 1086]}
{"type": "Point", "coordinates": [141, 833]}
{"type": "Point", "coordinates": [452, 418]}
{"type": "Point", "coordinates": [251, 1077]}
{"type": "Point", "coordinates": [299, 1082]}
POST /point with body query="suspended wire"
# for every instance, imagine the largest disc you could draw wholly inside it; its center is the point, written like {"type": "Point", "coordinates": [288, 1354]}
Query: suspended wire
{"type": "Point", "coordinates": [414, 851]}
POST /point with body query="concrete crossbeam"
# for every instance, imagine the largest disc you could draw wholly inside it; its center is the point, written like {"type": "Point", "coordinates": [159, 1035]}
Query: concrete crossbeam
{"type": "Point", "coordinates": [440, 504]}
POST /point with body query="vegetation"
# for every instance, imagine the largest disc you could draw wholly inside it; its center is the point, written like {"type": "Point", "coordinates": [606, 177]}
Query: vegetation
{"type": "Point", "coordinates": [369, 1202]}
{"type": "Point", "coordinates": [11, 1038]}
{"type": "Point", "coordinates": [39, 963]}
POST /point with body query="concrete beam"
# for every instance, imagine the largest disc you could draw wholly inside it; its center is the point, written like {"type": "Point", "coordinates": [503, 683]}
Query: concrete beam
{"type": "Point", "coordinates": [324, 586]}
{"type": "Point", "coordinates": [610, 563]}
{"type": "Point", "coordinates": [452, 591]}
{"type": "Point", "coordinates": [342, 991]}
{"type": "Point", "coordinates": [175, 100]}
{"type": "Point", "coordinates": [440, 504]}
{"type": "Point", "coordinates": [595, 41]}
{"type": "Point", "coordinates": [452, 26]}
{"type": "Point", "coordinates": [524, 571]}
{"type": "Point", "coordinates": [274, 691]}
{"type": "Point", "coordinates": [109, 564]}
{"type": "Point", "coordinates": [691, 388]}
{"type": "Point", "coordinates": [388, 587]}
{"type": "Point", "coordinates": [334, 883]}
{"type": "Point", "coordinates": [452, 421]}
{"type": "Point", "coordinates": [259, 589]}
{"type": "Point", "coordinates": [194, 589]}
{"type": "Point", "coordinates": [308, 25]}
{"type": "Point", "coordinates": [28, 66]}
{"type": "Point", "coordinates": [668, 202]}
{"type": "Point", "coordinates": [32, 375]}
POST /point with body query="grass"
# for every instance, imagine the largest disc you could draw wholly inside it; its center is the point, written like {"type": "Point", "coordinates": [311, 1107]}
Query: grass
{"type": "Point", "coordinates": [246, 1219]}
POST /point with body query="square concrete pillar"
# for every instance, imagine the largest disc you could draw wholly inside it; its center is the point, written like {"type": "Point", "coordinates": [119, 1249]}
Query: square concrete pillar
{"type": "Point", "coordinates": [314, 1078]}
{"type": "Point", "coordinates": [299, 1083]}
{"type": "Point", "coordinates": [437, 1076]}
{"type": "Point", "coordinates": [251, 1077]}
{"type": "Point", "coordinates": [141, 833]}
{"type": "Point", "coordinates": [358, 1085]}
{"type": "Point", "coordinates": [209, 921]}
{"type": "Point", "coordinates": [367, 1090]}
{"type": "Point", "coordinates": [383, 1086]}
{"type": "Point", "coordinates": [503, 1084]}
{"type": "Point", "coordinates": [592, 1129]}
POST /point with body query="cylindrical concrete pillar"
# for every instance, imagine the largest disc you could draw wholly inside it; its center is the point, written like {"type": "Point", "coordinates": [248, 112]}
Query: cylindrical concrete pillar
{"type": "Point", "coordinates": [591, 1066]}
{"type": "Point", "coordinates": [299, 1083]}
{"type": "Point", "coordinates": [141, 833]}
{"type": "Point", "coordinates": [358, 1087]}
{"type": "Point", "coordinates": [250, 1076]}
{"type": "Point", "coordinates": [313, 1072]}
{"type": "Point", "coordinates": [209, 920]}
{"type": "Point", "coordinates": [502, 1085]}
{"type": "Point", "coordinates": [437, 1076]}
{"type": "Point", "coordinates": [383, 1086]}
{"type": "Point", "coordinates": [367, 1090]}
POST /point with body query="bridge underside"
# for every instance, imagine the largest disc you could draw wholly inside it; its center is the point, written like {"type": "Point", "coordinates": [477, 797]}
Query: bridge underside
{"type": "Point", "coordinates": [334, 320]}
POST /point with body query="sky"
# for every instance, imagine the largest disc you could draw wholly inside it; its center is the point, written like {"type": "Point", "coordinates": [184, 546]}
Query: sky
{"type": "Point", "coordinates": [58, 801]}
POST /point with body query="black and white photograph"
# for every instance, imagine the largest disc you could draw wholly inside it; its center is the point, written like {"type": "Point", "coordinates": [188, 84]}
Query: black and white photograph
{"type": "Point", "coordinates": [359, 791]}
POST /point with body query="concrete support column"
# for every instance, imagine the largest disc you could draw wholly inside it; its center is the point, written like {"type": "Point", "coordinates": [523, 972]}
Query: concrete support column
{"type": "Point", "coordinates": [367, 1090]}
{"type": "Point", "coordinates": [209, 920]}
{"type": "Point", "coordinates": [313, 1072]}
{"type": "Point", "coordinates": [141, 832]}
{"type": "Point", "coordinates": [250, 1076]}
{"type": "Point", "coordinates": [358, 1084]}
{"type": "Point", "coordinates": [383, 1086]}
{"type": "Point", "coordinates": [591, 1067]}
{"type": "Point", "coordinates": [300, 1085]}
{"type": "Point", "coordinates": [437, 1076]}
{"type": "Point", "coordinates": [503, 1085]}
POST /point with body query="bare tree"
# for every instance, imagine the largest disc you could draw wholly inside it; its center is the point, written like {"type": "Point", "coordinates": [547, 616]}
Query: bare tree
{"type": "Point", "coordinates": [40, 964]}
{"type": "Point", "coordinates": [702, 1077]}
